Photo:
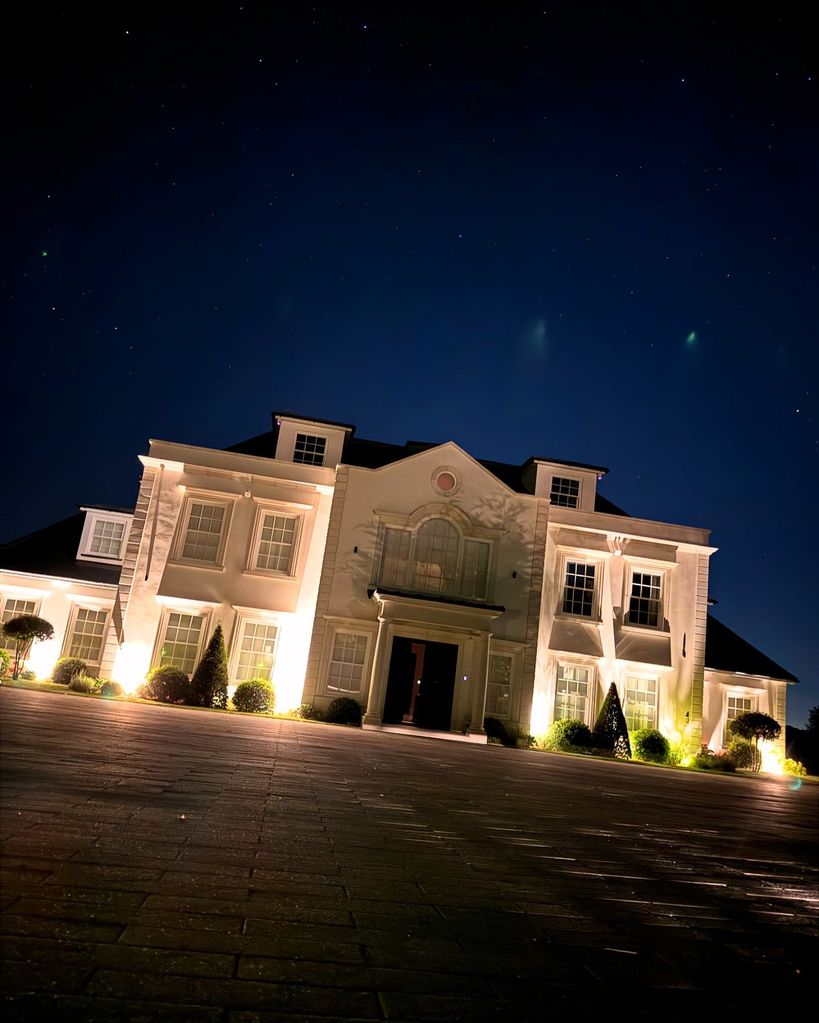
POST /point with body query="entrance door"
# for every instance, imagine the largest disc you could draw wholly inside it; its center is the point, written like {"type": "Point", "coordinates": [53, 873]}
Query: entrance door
{"type": "Point", "coordinates": [421, 683]}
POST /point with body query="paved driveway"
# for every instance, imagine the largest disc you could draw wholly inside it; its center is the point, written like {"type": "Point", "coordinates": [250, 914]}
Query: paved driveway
{"type": "Point", "coordinates": [179, 865]}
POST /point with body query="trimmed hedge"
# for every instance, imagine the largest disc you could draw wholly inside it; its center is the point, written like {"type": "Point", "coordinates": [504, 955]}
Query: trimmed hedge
{"type": "Point", "coordinates": [256, 696]}
{"type": "Point", "coordinates": [344, 711]}
{"type": "Point", "coordinates": [168, 685]}
{"type": "Point", "coordinates": [506, 733]}
{"type": "Point", "coordinates": [110, 689]}
{"type": "Point", "coordinates": [651, 745]}
{"type": "Point", "coordinates": [68, 668]}
{"type": "Point", "coordinates": [567, 735]}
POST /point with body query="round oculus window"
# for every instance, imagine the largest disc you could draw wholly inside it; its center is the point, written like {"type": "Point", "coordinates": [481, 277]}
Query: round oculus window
{"type": "Point", "coordinates": [445, 481]}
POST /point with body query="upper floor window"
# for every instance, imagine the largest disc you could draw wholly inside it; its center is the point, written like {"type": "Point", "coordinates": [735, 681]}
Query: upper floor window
{"type": "Point", "coordinates": [645, 600]}
{"type": "Point", "coordinates": [309, 450]}
{"type": "Point", "coordinates": [565, 492]}
{"type": "Point", "coordinates": [203, 531]}
{"type": "Point", "coordinates": [578, 589]}
{"type": "Point", "coordinates": [436, 558]}
{"type": "Point", "coordinates": [640, 702]}
{"type": "Point", "coordinates": [104, 536]}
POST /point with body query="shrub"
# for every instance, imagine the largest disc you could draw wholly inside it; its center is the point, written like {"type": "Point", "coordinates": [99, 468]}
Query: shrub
{"type": "Point", "coordinates": [753, 725]}
{"type": "Point", "coordinates": [567, 735]}
{"type": "Point", "coordinates": [210, 680]}
{"type": "Point", "coordinates": [109, 688]}
{"type": "Point", "coordinates": [507, 733]}
{"type": "Point", "coordinates": [651, 745]}
{"type": "Point", "coordinates": [67, 668]}
{"type": "Point", "coordinates": [344, 711]}
{"type": "Point", "coordinates": [310, 713]}
{"type": "Point", "coordinates": [610, 732]}
{"type": "Point", "coordinates": [5, 662]}
{"type": "Point", "coordinates": [27, 675]}
{"type": "Point", "coordinates": [741, 752]}
{"type": "Point", "coordinates": [708, 761]}
{"type": "Point", "coordinates": [83, 684]}
{"type": "Point", "coordinates": [255, 695]}
{"type": "Point", "coordinates": [22, 631]}
{"type": "Point", "coordinates": [168, 685]}
{"type": "Point", "coordinates": [794, 767]}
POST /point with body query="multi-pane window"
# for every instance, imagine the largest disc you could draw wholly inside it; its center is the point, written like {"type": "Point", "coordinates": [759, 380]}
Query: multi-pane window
{"type": "Point", "coordinates": [13, 608]}
{"type": "Point", "coordinates": [180, 646]}
{"type": "Point", "coordinates": [435, 559]}
{"type": "Point", "coordinates": [640, 702]}
{"type": "Point", "coordinates": [106, 539]}
{"type": "Point", "coordinates": [437, 545]}
{"type": "Point", "coordinates": [277, 543]}
{"type": "Point", "coordinates": [737, 705]}
{"type": "Point", "coordinates": [309, 450]}
{"type": "Point", "coordinates": [88, 635]}
{"type": "Point", "coordinates": [203, 535]}
{"type": "Point", "coordinates": [499, 685]}
{"type": "Point", "coordinates": [572, 692]}
{"type": "Point", "coordinates": [565, 492]}
{"type": "Point", "coordinates": [645, 600]}
{"type": "Point", "coordinates": [347, 663]}
{"type": "Point", "coordinates": [256, 651]}
{"type": "Point", "coordinates": [578, 589]}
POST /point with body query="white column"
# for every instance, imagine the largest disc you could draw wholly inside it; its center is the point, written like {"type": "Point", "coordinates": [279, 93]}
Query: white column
{"type": "Point", "coordinates": [378, 677]}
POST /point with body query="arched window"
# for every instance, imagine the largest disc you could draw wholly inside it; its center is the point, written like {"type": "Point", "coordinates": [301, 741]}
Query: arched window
{"type": "Point", "coordinates": [436, 558]}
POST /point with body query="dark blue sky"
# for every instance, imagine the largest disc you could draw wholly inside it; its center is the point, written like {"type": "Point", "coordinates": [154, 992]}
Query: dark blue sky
{"type": "Point", "coordinates": [582, 230]}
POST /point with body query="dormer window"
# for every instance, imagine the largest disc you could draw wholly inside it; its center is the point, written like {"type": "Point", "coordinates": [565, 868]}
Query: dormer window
{"type": "Point", "coordinates": [104, 536]}
{"type": "Point", "coordinates": [309, 450]}
{"type": "Point", "coordinates": [565, 492]}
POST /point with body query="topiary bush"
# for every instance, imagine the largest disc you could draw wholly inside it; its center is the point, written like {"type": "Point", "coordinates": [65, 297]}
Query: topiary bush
{"type": "Point", "coordinates": [23, 631]}
{"type": "Point", "coordinates": [110, 689]}
{"type": "Point", "coordinates": [168, 685]}
{"type": "Point", "coordinates": [650, 745]}
{"type": "Point", "coordinates": [741, 752]}
{"type": "Point", "coordinates": [310, 713]}
{"type": "Point", "coordinates": [344, 711]}
{"type": "Point", "coordinates": [567, 735]}
{"type": "Point", "coordinates": [610, 732]}
{"type": "Point", "coordinates": [210, 680]}
{"type": "Point", "coordinates": [67, 668]}
{"type": "Point", "coordinates": [507, 733]}
{"type": "Point", "coordinates": [255, 696]}
{"type": "Point", "coordinates": [83, 684]}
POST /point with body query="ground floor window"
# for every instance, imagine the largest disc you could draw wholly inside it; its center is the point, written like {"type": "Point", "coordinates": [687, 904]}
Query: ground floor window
{"type": "Point", "coordinates": [257, 648]}
{"type": "Point", "coordinates": [572, 692]}
{"type": "Point", "coordinates": [640, 702]}
{"type": "Point", "coordinates": [499, 686]}
{"type": "Point", "coordinates": [736, 705]}
{"type": "Point", "coordinates": [13, 607]}
{"type": "Point", "coordinates": [88, 634]}
{"type": "Point", "coordinates": [349, 655]}
{"type": "Point", "coordinates": [181, 641]}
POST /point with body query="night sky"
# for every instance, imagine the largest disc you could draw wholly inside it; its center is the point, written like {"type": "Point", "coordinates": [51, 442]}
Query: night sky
{"type": "Point", "coordinates": [579, 230]}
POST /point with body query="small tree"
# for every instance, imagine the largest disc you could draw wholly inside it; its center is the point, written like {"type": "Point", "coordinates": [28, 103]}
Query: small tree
{"type": "Point", "coordinates": [210, 680]}
{"type": "Point", "coordinates": [754, 726]}
{"type": "Point", "coordinates": [611, 732]}
{"type": "Point", "coordinates": [22, 631]}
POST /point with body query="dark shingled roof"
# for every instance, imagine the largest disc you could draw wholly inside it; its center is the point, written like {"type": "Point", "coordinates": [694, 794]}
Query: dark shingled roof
{"type": "Point", "coordinates": [53, 551]}
{"type": "Point", "coordinates": [374, 454]}
{"type": "Point", "coordinates": [726, 651]}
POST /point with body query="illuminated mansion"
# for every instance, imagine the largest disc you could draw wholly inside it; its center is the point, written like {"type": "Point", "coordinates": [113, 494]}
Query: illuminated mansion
{"type": "Point", "coordinates": [434, 588]}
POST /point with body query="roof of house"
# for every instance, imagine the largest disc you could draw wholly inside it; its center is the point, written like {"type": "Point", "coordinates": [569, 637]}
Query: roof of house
{"type": "Point", "coordinates": [53, 551]}
{"type": "Point", "coordinates": [726, 651]}
{"type": "Point", "coordinates": [374, 454]}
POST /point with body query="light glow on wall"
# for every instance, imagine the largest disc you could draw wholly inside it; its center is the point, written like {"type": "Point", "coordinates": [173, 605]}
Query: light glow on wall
{"type": "Point", "coordinates": [43, 657]}
{"type": "Point", "coordinates": [131, 665]}
{"type": "Point", "coordinates": [539, 722]}
{"type": "Point", "coordinates": [772, 759]}
{"type": "Point", "coordinates": [291, 662]}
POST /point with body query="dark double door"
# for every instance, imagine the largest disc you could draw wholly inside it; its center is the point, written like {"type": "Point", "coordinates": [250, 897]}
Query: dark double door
{"type": "Point", "coordinates": [421, 683]}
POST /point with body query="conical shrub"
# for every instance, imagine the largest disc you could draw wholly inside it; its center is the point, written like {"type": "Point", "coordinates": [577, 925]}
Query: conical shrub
{"type": "Point", "coordinates": [611, 732]}
{"type": "Point", "coordinates": [210, 680]}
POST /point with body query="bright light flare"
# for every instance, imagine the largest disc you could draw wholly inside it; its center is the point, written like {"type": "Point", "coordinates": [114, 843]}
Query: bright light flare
{"type": "Point", "coordinates": [131, 665]}
{"type": "Point", "coordinates": [539, 721]}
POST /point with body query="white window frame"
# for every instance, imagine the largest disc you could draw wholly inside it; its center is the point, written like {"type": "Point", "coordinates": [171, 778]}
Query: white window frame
{"type": "Point", "coordinates": [644, 676]}
{"type": "Point", "coordinates": [636, 567]}
{"type": "Point", "coordinates": [737, 694]}
{"type": "Point", "coordinates": [568, 479]}
{"type": "Point", "coordinates": [243, 619]}
{"type": "Point", "coordinates": [342, 629]}
{"type": "Point", "coordinates": [204, 635]}
{"type": "Point", "coordinates": [6, 597]}
{"type": "Point", "coordinates": [309, 437]}
{"type": "Point", "coordinates": [94, 516]}
{"type": "Point", "coordinates": [286, 512]}
{"type": "Point", "coordinates": [591, 691]}
{"type": "Point", "coordinates": [86, 605]}
{"type": "Point", "coordinates": [507, 714]}
{"type": "Point", "coordinates": [570, 557]}
{"type": "Point", "coordinates": [193, 498]}
{"type": "Point", "coordinates": [464, 537]}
